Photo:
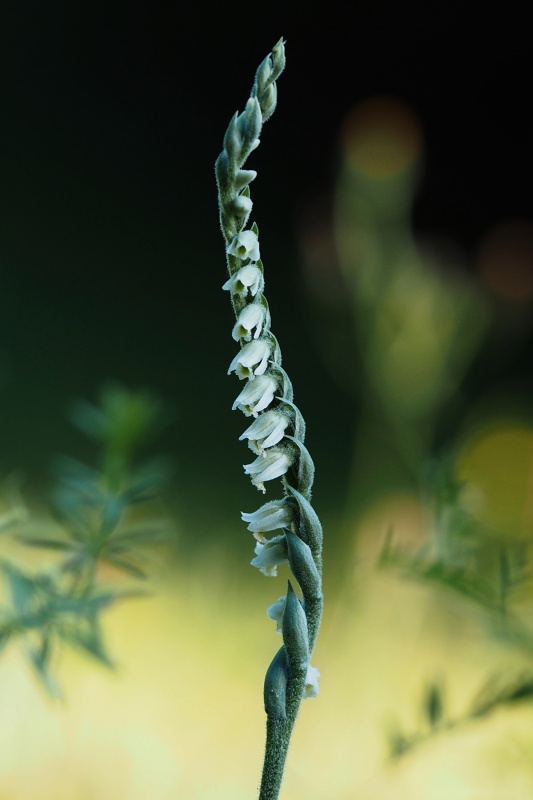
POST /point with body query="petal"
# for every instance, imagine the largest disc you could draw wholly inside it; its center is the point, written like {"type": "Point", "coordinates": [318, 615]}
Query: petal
{"type": "Point", "coordinates": [275, 612]}
{"type": "Point", "coordinates": [311, 682]}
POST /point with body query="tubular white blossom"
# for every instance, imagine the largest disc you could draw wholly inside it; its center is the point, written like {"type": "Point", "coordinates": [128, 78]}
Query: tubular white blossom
{"type": "Point", "coordinates": [256, 395]}
{"type": "Point", "coordinates": [244, 245]}
{"type": "Point", "coordinates": [267, 430]}
{"type": "Point", "coordinates": [251, 317]}
{"type": "Point", "coordinates": [270, 555]}
{"type": "Point", "coordinates": [272, 465]}
{"type": "Point", "coordinates": [311, 682]}
{"type": "Point", "coordinates": [276, 611]}
{"type": "Point", "coordinates": [271, 517]}
{"type": "Point", "coordinates": [252, 360]}
{"type": "Point", "coordinates": [246, 279]}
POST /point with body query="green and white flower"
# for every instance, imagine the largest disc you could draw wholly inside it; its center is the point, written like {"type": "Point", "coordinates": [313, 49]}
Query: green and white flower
{"type": "Point", "coordinates": [270, 555]}
{"type": "Point", "coordinates": [267, 467]}
{"type": "Point", "coordinates": [248, 279]}
{"type": "Point", "coordinates": [244, 245]}
{"type": "Point", "coordinates": [271, 517]}
{"type": "Point", "coordinates": [256, 395]}
{"type": "Point", "coordinates": [252, 359]}
{"type": "Point", "coordinates": [249, 322]}
{"type": "Point", "coordinates": [267, 430]}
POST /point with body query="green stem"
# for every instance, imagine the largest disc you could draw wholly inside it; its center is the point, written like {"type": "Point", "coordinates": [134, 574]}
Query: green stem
{"type": "Point", "coordinates": [278, 736]}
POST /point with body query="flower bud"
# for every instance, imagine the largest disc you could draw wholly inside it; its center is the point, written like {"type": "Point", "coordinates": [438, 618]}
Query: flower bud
{"type": "Point", "coordinates": [294, 627]}
{"type": "Point", "coordinates": [242, 205]}
{"type": "Point", "coordinates": [243, 177]}
{"type": "Point", "coordinates": [249, 125]}
{"type": "Point", "coordinates": [233, 139]}
{"type": "Point", "coordinates": [275, 691]}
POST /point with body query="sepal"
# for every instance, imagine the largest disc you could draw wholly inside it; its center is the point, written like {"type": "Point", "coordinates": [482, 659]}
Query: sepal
{"type": "Point", "coordinates": [294, 628]}
{"type": "Point", "coordinates": [309, 527]}
{"type": "Point", "coordinates": [275, 691]}
{"type": "Point", "coordinates": [303, 566]}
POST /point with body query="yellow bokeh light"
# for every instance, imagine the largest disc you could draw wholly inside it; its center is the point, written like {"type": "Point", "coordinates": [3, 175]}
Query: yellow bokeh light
{"type": "Point", "coordinates": [497, 464]}
{"type": "Point", "coordinates": [382, 137]}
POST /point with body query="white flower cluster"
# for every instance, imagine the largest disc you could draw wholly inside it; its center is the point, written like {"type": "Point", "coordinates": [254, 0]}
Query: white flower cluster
{"type": "Point", "coordinates": [276, 432]}
{"type": "Point", "coordinates": [251, 364]}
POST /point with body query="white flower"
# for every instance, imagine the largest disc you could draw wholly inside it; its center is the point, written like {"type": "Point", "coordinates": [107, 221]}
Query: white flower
{"type": "Point", "coordinates": [243, 205]}
{"type": "Point", "coordinates": [311, 682]}
{"type": "Point", "coordinates": [252, 360]}
{"type": "Point", "coordinates": [244, 245]}
{"type": "Point", "coordinates": [274, 463]}
{"type": "Point", "coordinates": [270, 555]}
{"type": "Point", "coordinates": [268, 429]}
{"type": "Point", "coordinates": [276, 611]}
{"type": "Point", "coordinates": [256, 395]}
{"type": "Point", "coordinates": [252, 316]}
{"type": "Point", "coordinates": [271, 517]}
{"type": "Point", "coordinates": [246, 279]}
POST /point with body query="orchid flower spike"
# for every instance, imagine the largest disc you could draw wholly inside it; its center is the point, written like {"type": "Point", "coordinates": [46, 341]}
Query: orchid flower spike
{"type": "Point", "coordinates": [276, 434]}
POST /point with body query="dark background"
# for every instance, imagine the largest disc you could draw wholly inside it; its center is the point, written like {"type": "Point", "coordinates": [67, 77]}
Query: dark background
{"type": "Point", "coordinates": [111, 258]}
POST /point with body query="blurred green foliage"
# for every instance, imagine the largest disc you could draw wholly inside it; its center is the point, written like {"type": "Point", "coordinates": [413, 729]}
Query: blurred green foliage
{"type": "Point", "coordinates": [95, 528]}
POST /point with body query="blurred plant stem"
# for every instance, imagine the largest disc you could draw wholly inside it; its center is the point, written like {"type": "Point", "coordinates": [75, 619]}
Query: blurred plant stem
{"type": "Point", "coordinates": [417, 324]}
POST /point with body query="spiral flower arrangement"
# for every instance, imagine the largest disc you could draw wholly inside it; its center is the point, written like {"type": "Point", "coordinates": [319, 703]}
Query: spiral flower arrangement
{"type": "Point", "coordinates": [276, 435]}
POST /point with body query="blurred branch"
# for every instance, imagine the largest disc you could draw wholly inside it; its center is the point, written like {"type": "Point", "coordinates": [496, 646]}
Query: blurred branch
{"type": "Point", "coordinates": [94, 508]}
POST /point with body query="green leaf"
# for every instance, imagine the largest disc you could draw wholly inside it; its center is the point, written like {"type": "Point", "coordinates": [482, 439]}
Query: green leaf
{"type": "Point", "coordinates": [85, 605]}
{"type": "Point", "coordinates": [88, 640]}
{"type": "Point", "coordinates": [127, 566]}
{"type": "Point", "coordinates": [39, 659]}
{"type": "Point", "coordinates": [433, 705]}
{"type": "Point", "coordinates": [111, 514]}
{"type": "Point", "coordinates": [7, 630]}
{"type": "Point", "coordinates": [23, 589]}
{"type": "Point", "coordinates": [144, 535]}
{"type": "Point", "coordinates": [12, 519]}
{"type": "Point", "coordinates": [50, 544]}
{"type": "Point", "coordinates": [89, 419]}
